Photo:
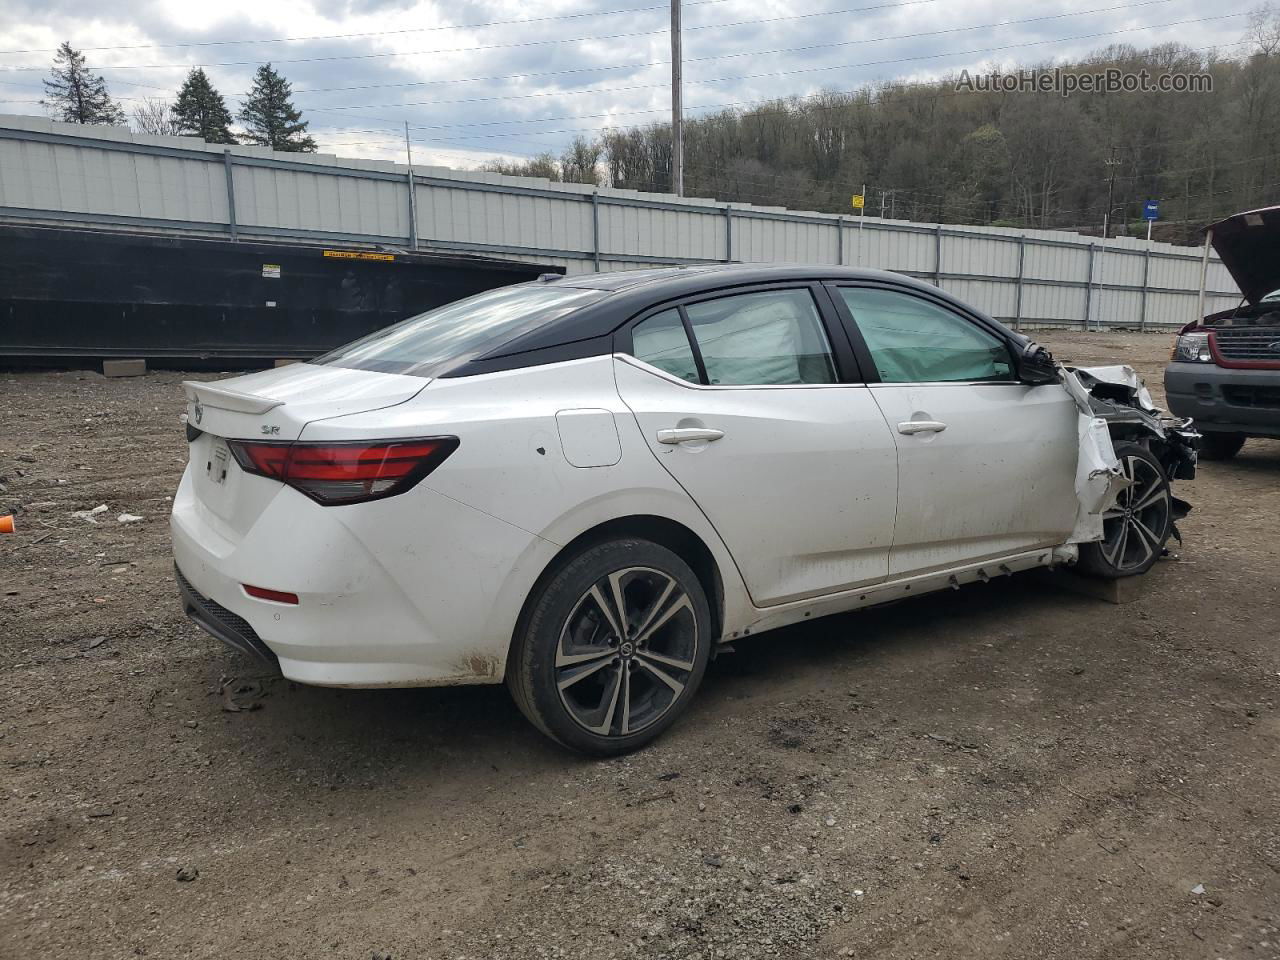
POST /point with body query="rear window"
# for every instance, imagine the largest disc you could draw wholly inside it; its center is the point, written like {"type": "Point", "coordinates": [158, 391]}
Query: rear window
{"type": "Point", "coordinates": [424, 345]}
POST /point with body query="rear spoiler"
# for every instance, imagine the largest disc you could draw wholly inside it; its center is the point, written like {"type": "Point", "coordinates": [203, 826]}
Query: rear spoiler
{"type": "Point", "coordinates": [220, 398]}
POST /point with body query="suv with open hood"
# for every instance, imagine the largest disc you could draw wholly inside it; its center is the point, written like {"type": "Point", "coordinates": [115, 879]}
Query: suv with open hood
{"type": "Point", "coordinates": [1225, 371]}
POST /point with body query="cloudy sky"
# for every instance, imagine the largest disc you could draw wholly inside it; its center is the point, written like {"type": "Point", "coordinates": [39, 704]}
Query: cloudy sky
{"type": "Point", "coordinates": [476, 79]}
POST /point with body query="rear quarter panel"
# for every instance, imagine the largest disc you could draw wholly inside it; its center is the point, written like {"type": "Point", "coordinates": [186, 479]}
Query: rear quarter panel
{"type": "Point", "coordinates": [511, 465]}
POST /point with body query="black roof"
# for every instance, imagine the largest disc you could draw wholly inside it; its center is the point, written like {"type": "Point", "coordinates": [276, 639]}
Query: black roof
{"type": "Point", "coordinates": [633, 291]}
{"type": "Point", "coordinates": [713, 276]}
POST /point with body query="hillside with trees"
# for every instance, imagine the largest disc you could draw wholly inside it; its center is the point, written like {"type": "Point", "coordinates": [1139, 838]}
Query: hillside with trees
{"type": "Point", "coordinates": [930, 152]}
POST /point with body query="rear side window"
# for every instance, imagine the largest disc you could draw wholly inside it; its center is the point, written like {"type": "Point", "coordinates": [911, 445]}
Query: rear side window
{"type": "Point", "coordinates": [769, 338]}
{"type": "Point", "coordinates": [914, 341]}
{"type": "Point", "coordinates": [661, 342]}
{"type": "Point", "coordinates": [426, 344]}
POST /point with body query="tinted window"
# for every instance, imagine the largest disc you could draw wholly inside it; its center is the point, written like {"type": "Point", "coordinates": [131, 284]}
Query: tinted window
{"type": "Point", "coordinates": [469, 328]}
{"type": "Point", "coordinates": [661, 341]}
{"type": "Point", "coordinates": [772, 337]}
{"type": "Point", "coordinates": [914, 341]}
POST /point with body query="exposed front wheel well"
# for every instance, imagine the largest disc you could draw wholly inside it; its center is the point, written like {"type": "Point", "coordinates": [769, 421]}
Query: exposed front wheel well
{"type": "Point", "coordinates": [676, 537]}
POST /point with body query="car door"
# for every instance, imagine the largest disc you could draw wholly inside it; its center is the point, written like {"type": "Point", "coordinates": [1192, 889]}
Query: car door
{"type": "Point", "coordinates": [745, 398]}
{"type": "Point", "coordinates": [986, 465]}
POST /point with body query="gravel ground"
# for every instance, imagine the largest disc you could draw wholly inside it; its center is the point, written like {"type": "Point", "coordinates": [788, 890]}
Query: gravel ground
{"type": "Point", "coordinates": [1008, 771]}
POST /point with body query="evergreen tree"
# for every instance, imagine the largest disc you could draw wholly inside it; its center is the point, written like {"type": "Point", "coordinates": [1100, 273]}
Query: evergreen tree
{"type": "Point", "coordinates": [200, 110]}
{"type": "Point", "coordinates": [271, 117]}
{"type": "Point", "coordinates": [75, 94]}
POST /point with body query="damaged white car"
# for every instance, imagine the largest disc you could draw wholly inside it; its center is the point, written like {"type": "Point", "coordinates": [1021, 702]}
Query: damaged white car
{"type": "Point", "coordinates": [581, 486]}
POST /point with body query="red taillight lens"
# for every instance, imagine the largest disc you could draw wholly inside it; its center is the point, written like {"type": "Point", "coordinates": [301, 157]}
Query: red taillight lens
{"type": "Point", "coordinates": [268, 459]}
{"type": "Point", "coordinates": [338, 473]}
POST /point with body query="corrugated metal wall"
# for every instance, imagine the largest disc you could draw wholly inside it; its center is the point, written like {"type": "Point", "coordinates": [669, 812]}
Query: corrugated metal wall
{"type": "Point", "coordinates": [55, 172]}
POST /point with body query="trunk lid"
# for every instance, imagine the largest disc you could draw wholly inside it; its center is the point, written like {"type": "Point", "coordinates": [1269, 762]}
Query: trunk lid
{"type": "Point", "coordinates": [276, 404]}
{"type": "Point", "coordinates": [1249, 245]}
{"type": "Point", "coordinates": [270, 405]}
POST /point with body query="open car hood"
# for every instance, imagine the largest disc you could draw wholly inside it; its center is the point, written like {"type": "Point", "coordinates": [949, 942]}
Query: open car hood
{"type": "Point", "coordinates": [1249, 245]}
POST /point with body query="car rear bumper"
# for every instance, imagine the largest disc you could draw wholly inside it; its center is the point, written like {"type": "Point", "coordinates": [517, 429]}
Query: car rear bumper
{"type": "Point", "coordinates": [1225, 400]}
{"type": "Point", "coordinates": [406, 591]}
{"type": "Point", "coordinates": [219, 622]}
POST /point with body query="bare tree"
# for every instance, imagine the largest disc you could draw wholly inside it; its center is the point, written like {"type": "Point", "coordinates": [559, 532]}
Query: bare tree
{"type": "Point", "coordinates": [1264, 28]}
{"type": "Point", "coordinates": [544, 165]}
{"type": "Point", "coordinates": [579, 164]}
{"type": "Point", "coordinates": [154, 117]}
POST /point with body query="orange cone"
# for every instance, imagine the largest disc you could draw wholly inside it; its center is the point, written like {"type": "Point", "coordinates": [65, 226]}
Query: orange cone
{"type": "Point", "coordinates": [6, 524]}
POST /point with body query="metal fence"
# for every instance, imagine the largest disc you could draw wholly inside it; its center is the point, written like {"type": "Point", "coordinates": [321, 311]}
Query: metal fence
{"type": "Point", "coordinates": [109, 178]}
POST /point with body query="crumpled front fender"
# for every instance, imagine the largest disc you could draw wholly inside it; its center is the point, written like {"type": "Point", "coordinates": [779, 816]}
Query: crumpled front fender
{"type": "Point", "coordinates": [1099, 478]}
{"type": "Point", "coordinates": [1113, 402]}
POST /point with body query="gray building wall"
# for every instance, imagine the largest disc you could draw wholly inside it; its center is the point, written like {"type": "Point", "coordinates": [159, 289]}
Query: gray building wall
{"type": "Point", "coordinates": [108, 177]}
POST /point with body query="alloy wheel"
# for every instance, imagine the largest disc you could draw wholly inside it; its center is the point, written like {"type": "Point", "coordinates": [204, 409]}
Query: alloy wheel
{"type": "Point", "coordinates": [626, 651]}
{"type": "Point", "coordinates": [1134, 530]}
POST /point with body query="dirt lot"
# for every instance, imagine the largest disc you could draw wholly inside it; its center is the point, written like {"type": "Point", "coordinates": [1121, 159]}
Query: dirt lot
{"type": "Point", "coordinates": [1007, 771]}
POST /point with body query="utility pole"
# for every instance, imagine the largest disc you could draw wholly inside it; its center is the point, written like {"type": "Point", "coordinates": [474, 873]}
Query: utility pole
{"type": "Point", "coordinates": [413, 191]}
{"type": "Point", "coordinates": [862, 219]}
{"type": "Point", "coordinates": [1113, 163]}
{"type": "Point", "coordinates": [677, 111]}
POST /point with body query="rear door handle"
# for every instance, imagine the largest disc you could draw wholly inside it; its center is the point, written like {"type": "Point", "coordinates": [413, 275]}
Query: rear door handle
{"type": "Point", "coordinates": [921, 426]}
{"type": "Point", "coordinates": [687, 434]}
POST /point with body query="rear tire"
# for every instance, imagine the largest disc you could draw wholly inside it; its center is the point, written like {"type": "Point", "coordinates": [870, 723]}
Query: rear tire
{"type": "Point", "coordinates": [612, 647]}
{"type": "Point", "coordinates": [1220, 446]}
{"type": "Point", "coordinates": [1136, 529]}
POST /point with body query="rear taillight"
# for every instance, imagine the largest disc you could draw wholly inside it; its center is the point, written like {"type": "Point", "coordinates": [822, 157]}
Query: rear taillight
{"type": "Point", "coordinates": [339, 473]}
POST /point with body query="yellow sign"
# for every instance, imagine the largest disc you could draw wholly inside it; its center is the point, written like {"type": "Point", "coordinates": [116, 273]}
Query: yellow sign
{"type": "Point", "coordinates": [858, 201]}
{"type": "Point", "coordinates": [358, 255]}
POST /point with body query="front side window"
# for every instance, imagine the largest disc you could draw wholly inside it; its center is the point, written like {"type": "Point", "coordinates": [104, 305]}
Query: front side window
{"type": "Point", "coordinates": [914, 341]}
{"type": "Point", "coordinates": [423, 345]}
{"type": "Point", "coordinates": [762, 339]}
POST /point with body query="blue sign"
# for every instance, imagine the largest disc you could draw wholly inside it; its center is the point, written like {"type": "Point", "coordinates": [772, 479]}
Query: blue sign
{"type": "Point", "coordinates": [1151, 210]}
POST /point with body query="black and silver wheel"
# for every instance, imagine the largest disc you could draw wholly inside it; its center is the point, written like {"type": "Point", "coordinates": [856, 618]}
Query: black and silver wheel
{"type": "Point", "coordinates": [1136, 529]}
{"type": "Point", "coordinates": [612, 647]}
{"type": "Point", "coordinates": [1220, 446]}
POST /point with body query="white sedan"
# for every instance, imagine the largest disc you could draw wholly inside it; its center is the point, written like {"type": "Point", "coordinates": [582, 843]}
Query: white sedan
{"type": "Point", "coordinates": [583, 485]}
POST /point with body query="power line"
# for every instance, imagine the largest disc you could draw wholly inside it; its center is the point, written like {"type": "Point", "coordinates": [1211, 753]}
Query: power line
{"type": "Point", "coordinates": [836, 183]}
{"type": "Point", "coordinates": [342, 109]}
{"type": "Point", "coordinates": [720, 106]}
{"type": "Point", "coordinates": [823, 46]}
{"type": "Point", "coordinates": [501, 46]}
{"type": "Point", "coordinates": [655, 63]}
{"type": "Point", "coordinates": [374, 33]}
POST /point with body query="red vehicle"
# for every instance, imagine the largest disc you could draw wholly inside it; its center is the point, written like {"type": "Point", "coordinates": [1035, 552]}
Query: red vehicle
{"type": "Point", "coordinates": [1225, 371]}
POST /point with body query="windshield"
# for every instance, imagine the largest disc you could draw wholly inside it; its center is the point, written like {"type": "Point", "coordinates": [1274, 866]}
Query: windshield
{"type": "Point", "coordinates": [422, 345]}
{"type": "Point", "coordinates": [1272, 297]}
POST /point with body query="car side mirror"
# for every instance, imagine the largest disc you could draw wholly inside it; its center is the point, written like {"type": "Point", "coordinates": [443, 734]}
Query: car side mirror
{"type": "Point", "coordinates": [1036, 365]}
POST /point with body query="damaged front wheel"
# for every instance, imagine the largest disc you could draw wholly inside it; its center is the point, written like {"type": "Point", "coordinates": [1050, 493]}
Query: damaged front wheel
{"type": "Point", "coordinates": [1136, 529]}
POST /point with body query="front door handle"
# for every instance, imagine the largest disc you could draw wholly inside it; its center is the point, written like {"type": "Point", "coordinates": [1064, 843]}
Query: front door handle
{"type": "Point", "coordinates": [921, 426]}
{"type": "Point", "coordinates": [687, 434]}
